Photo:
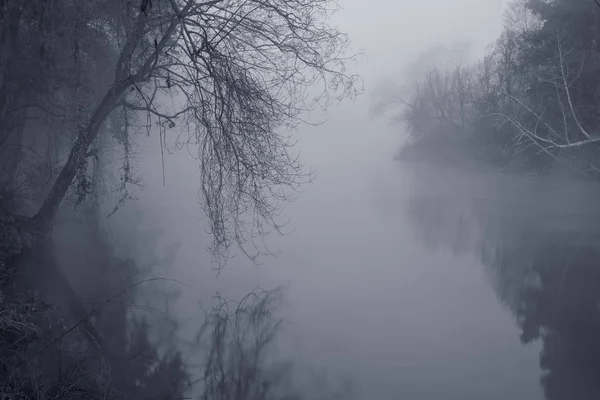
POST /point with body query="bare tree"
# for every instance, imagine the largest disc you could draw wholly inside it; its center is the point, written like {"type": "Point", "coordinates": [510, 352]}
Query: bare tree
{"type": "Point", "coordinates": [239, 71]}
{"type": "Point", "coordinates": [564, 126]}
{"type": "Point", "coordinates": [442, 103]}
{"type": "Point", "coordinates": [519, 17]}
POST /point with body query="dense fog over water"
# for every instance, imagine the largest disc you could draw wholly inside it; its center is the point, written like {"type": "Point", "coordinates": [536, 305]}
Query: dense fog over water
{"type": "Point", "coordinates": [366, 299]}
{"type": "Point", "coordinates": [447, 246]}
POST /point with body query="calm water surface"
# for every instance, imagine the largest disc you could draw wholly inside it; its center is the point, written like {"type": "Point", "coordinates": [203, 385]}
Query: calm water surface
{"type": "Point", "coordinates": [422, 283]}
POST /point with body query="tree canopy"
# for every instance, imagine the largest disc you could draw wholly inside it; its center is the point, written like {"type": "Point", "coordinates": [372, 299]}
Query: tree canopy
{"type": "Point", "coordinates": [225, 78]}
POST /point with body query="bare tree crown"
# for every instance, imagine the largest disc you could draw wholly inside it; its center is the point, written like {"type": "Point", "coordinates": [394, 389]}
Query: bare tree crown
{"type": "Point", "coordinates": [240, 73]}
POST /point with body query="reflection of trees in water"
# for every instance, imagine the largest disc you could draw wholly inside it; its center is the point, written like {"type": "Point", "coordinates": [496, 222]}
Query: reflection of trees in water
{"type": "Point", "coordinates": [549, 279]}
{"type": "Point", "coordinates": [122, 341]}
{"type": "Point", "coordinates": [553, 289]}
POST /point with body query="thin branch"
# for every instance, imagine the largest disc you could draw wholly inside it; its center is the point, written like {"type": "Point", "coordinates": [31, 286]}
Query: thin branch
{"type": "Point", "coordinates": [568, 91]}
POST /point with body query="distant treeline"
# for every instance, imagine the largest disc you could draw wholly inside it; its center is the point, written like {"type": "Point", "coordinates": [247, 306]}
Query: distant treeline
{"type": "Point", "coordinates": [532, 104]}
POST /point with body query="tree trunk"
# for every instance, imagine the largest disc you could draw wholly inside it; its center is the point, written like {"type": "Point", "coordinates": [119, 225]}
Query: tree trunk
{"type": "Point", "coordinates": [9, 34]}
{"type": "Point", "coordinates": [41, 222]}
{"type": "Point", "coordinates": [11, 126]}
{"type": "Point", "coordinates": [9, 54]}
{"type": "Point", "coordinates": [10, 151]}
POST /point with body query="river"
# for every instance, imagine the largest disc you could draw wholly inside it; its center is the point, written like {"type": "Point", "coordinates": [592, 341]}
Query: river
{"type": "Point", "coordinates": [416, 282]}
{"type": "Point", "coordinates": [412, 282]}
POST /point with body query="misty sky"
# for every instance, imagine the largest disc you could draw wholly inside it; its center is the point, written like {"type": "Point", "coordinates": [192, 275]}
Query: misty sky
{"type": "Point", "coordinates": [363, 296]}
{"type": "Point", "coordinates": [353, 149]}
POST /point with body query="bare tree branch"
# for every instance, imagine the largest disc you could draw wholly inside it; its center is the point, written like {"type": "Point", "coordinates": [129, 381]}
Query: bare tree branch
{"type": "Point", "coordinates": [240, 73]}
{"type": "Point", "coordinates": [550, 137]}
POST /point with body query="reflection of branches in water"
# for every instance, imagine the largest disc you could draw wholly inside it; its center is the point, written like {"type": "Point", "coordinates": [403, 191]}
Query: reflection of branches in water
{"type": "Point", "coordinates": [238, 340]}
{"type": "Point", "coordinates": [36, 362]}
{"type": "Point", "coordinates": [138, 355]}
{"type": "Point", "coordinates": [237, 360]}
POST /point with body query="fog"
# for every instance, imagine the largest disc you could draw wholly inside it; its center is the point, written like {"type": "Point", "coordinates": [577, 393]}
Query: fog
{"type": "Point", "coordinates": [366, 300]}
{"type": "Point", "coordinates": [405, 274]}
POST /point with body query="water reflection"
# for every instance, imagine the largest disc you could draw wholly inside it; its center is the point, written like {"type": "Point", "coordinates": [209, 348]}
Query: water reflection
{"type": "Point", "coordinates": [539, 241]}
